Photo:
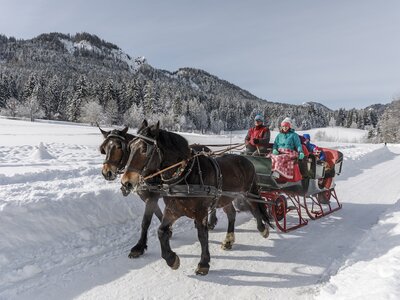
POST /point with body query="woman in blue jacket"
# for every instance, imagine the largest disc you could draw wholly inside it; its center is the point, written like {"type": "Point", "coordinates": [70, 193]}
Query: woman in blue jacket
{"type": "Point", "coordinates": [287, 148]}
{"type": "Point", "coordinates": [287, 139]}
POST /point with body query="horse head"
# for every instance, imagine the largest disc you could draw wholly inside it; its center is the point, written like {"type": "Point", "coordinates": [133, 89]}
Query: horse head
{"type": "Point", "coordinates": [142, 149]}
{"type": "Point", "coordinates": [114, 147]}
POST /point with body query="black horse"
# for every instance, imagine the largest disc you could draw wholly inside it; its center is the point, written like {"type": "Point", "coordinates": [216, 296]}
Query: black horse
{"type": "Point", "coordinates": [232, 176]}
{"type": "Point", "coordinates": [115, 148]}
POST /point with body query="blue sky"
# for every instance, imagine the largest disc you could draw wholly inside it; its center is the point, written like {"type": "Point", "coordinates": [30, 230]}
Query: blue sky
{"type": "Point", "coordinates": [338, 53]}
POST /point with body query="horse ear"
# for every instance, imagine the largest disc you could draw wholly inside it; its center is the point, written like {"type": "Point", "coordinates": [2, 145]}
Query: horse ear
{"type": "Point", "coordinates": [125, 130]}
{"type": "Point", "coordinates": [103, 132]}
{"type": "Point", "coordinates": [157, 130]}
{"type": "Point", "coordinates": [144, 125]}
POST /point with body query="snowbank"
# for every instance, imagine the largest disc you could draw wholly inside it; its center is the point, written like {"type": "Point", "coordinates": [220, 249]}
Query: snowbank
{"type": "Point", "coordinates": [373, 269]}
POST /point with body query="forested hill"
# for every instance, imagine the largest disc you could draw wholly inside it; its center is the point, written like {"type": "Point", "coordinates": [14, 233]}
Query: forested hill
{"type": "Point", "coordinates": [84, 78]}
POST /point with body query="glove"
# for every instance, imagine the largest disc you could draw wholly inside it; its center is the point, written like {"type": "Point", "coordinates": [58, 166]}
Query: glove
{"type": "Point", "coordinates": [275, 152]}
{"type": "Point", "coordinates": [301, 155]}
{"type": "Point", "coordinates": [256, 141]}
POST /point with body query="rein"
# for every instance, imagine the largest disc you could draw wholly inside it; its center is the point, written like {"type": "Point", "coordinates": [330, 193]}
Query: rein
{"type": "Point", "coordinates": [235, 146]}
{"type": "Point", "coordinates": [183, 163]}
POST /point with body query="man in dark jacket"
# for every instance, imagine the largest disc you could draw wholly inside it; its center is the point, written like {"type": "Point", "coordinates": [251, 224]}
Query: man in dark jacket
{"type": "Point", "coordinates": [257, 138]}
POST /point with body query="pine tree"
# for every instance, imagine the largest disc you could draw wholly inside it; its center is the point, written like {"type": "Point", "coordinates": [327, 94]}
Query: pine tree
{"type": "Point", "coordinates": [4, 90]}
{"type": "Point", "coordinates": [388, 125]}
{"type": "Point", "coordinates": [77, 100]}
{"type": "Point", "coordinates": [149, 99]}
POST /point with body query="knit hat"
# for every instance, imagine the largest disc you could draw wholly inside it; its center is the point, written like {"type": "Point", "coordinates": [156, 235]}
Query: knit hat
{"type": "Point", "coordinates": [307, 136]}
{"type": "Point", "coordinates": [259, 118]}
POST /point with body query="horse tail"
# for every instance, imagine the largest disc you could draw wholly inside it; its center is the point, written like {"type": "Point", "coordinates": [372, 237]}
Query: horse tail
{"type": "Point", "coordinates": [264, 213]}
{"type": "Point", "coordinates": [260, 204]}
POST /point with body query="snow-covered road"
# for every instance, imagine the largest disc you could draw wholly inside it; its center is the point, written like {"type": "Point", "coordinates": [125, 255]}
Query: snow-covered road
{"type": "Point", "coordinates": [66, 233]}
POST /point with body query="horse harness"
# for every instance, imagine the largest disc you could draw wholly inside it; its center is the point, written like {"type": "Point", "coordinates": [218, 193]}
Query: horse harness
{"type": "Point", "coordinates": [172, 187]}
{"type": "Point", "coordinates": [119, 163]}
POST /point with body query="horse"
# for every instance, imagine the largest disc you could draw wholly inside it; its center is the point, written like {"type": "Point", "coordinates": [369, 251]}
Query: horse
{"type": "Point", "coordinates": [114, 147]}
{"type": "Point", "coordinates": [231, 176]}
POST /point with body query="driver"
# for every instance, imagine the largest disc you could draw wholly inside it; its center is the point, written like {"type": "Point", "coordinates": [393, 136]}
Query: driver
{"type": "Point", "coordinates": [257, 138]}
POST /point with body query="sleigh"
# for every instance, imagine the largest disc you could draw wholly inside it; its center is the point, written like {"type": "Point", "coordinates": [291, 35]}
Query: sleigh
{"type": "Point", "coordinates": [311, 190]}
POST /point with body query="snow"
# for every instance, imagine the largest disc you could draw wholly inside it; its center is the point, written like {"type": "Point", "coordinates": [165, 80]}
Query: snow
{"type": "Point", "coordinates": [337, 134]}
{"type": "Point", "coordinates": [374, 265]}
{"type": "Point", "coordinates": [66, 232]}
{"type": "Point", "coordinates": [133, 64]}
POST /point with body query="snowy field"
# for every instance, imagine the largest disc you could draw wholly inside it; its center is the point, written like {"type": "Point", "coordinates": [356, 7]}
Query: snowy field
{"type": "Point", "coordinates": [66, 232]}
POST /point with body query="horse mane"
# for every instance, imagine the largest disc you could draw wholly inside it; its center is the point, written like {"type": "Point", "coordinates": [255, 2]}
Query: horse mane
{"type": "Point", "coordinates": [173, 143]}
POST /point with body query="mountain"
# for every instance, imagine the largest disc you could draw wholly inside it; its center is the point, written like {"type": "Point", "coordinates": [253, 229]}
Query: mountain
{"type": "Point", "coordinates": [84, 78]}
{"type": "Point", "coordinates": [316, 105]}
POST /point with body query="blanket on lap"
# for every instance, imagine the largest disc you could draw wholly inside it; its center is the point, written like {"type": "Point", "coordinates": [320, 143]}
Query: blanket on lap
{"type": "Point", "coordinates": [283, 163]}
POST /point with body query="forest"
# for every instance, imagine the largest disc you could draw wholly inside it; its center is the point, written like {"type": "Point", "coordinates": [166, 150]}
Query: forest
{"type": "Point", "coordinates": [82, 78]}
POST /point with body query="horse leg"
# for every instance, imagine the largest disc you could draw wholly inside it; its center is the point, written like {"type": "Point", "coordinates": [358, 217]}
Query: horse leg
{"type": "Point", "coordinates": [213, 220]}
{"type": "Point", "coordinates": [141, 245]}
{"type": "Point", "coordinates": [202, 234]}
{"type": "Point", "coordinates": [159, 215]}
{"type": "Point", "coordinates": [163, 236]}
{"type": "Point", "coordinates": [230, 234]}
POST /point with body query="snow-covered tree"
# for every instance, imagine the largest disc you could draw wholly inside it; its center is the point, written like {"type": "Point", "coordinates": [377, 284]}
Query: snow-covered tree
{"type": "Point", "coordinates": [10, 107]}
{"type": "Point", "coordinates": [92, 112]}
{"type": "Point", "coordinates": [134, 116]}
{"type": "Point", "coordinates": [30, 108]}
{"type": "Point", "coordinates": [389, 124]}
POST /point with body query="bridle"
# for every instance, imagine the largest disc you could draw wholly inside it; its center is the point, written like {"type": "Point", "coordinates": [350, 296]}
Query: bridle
{"type": "Point", "coordinates": [119, 163]}
{"type": "Point", "coordinates": [151, 149]}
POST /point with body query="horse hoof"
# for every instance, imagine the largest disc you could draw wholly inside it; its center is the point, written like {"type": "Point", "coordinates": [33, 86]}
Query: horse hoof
{"type": "Point", "coordinates": [226, 246]}
{"type": "Point", "coordinates": [265, 233]}
{"type": "Point", "coordinates": [176, 264]}
{"type": "Point", "coordinates": [135, 253]}
{"type": "Point", "coordinates": [202, 270]}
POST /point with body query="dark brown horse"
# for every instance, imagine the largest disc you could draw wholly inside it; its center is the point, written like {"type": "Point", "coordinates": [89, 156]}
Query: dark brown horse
{"type": "Point", "coordinates": [115, 148]}
{"type": "Point", "coordinates": [231, 176]}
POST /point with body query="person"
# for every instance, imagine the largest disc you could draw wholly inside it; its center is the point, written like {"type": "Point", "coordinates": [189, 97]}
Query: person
{"type": "Point", "coordinates": [312, 148]}
{"type": "Point", "coordinates": [287, 148]}
{"type": "Point", "coordinates": [257, 138]}
{"type": "Point", "coordinates": [307, 142]}
{"type": "Point", "coordinates": [319, 153]}
{"type": "Point", "coordinates": [287, 139]}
